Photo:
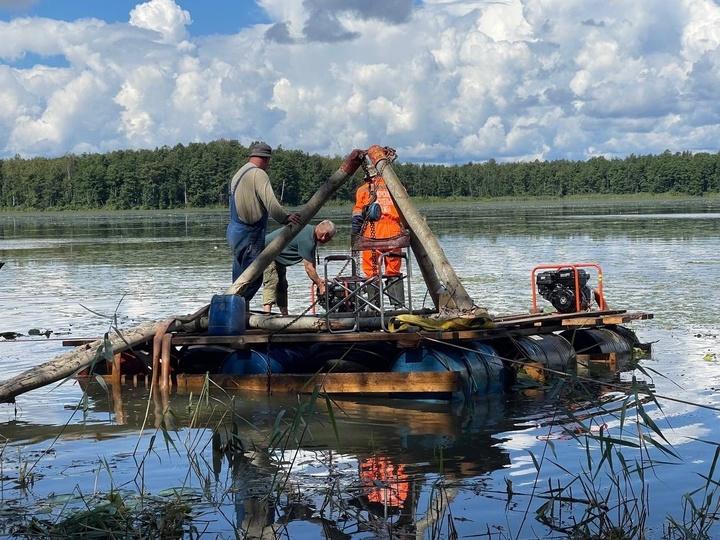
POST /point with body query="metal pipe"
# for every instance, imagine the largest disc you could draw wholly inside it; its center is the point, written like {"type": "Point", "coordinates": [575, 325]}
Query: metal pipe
{"type": "Point", "coordinates": [165, 363]}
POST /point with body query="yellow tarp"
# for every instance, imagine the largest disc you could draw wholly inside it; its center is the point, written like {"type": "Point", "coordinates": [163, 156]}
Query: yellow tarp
{"type": "Point", "coordinates": [402, 323]}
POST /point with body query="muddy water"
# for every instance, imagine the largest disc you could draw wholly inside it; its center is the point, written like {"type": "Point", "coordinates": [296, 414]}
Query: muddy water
{"type": "Point", "coordinates": [416, 469]}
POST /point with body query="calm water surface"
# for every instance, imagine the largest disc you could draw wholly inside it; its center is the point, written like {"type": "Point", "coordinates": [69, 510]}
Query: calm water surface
{"type": "Point", "coordinates": [393, 468]}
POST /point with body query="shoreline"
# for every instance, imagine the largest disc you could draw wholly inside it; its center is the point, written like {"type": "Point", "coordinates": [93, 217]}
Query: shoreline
{"type": "Point", "coordinates": [524, 201]}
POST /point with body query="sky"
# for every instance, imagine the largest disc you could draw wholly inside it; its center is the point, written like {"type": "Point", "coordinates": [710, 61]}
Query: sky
{"type": "Point", "coordinates": [442, 81]}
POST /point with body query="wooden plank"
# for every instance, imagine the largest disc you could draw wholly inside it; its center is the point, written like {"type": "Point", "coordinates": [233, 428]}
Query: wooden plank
{"type": "Point", "coordinates": [76, 342]}
{"type": "Point", "coordinates": [622, 319]}
{"type": "Point", "coordinates": [613, 319]}
{"type": "Point", "coordinates": [334, 383]}
{"type": "Point", "coordinates": [524, 317]}
{"type": "Point", "coordinates": [538, 324]}
{"type": "Point", "coordinates": [404, 339]}
{"type": "Point", "coordinates": [598, 357]}
{"type": "Point", "coordinates": [582, 321]}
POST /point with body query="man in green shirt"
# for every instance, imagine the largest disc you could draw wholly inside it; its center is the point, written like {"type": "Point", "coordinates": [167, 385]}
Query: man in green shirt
{"type": "Point", "coordinates": [301, 248]}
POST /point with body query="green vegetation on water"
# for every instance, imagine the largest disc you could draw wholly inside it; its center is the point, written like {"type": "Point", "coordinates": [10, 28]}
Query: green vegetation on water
{"type": "Point", "coordinates": [197, 176]}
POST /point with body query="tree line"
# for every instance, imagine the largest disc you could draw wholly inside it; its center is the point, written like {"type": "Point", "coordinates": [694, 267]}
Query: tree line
{"type": "Point", "coordinates": [197, 175]}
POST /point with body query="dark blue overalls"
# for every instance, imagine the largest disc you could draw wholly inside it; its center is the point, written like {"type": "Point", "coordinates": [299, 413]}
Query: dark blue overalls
{"type": "Point", "coordinates": [246, 242]}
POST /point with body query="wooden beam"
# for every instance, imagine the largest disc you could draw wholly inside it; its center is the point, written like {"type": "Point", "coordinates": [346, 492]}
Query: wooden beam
{"type": "Point", "coordinates": [553, 315]}
{"type": "Point", "coordinates": [431, 258]}
{"type": "Point", "coordinates": [333, 383]}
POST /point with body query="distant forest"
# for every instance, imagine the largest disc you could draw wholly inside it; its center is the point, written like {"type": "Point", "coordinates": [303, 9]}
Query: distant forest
{"type": "Point", "coordinates": [197, 175]}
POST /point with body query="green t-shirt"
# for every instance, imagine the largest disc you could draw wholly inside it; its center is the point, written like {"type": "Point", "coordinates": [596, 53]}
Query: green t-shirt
{"type": "Point", "coordinates": [302, 247]}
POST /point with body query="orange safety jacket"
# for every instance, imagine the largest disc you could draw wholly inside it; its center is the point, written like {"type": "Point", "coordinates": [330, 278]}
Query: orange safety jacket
{"type": "Point", "coordinates": [387, 226]}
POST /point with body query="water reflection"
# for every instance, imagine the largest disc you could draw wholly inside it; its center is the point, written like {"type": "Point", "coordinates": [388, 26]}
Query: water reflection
{"type": "Point", "coordinates": [385, 467]}
{"type": "Point", "coordinates": [392, 460]}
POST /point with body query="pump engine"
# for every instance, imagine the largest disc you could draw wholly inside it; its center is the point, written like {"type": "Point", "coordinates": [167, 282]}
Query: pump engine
{"type": "Point", "coordinates": [558, 288]}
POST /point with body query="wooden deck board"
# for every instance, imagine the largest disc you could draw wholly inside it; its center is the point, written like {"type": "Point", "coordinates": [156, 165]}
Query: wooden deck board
{"type": "Point", "coordinates": [505, 326]}
{"type": "Point", "coordinates": [607, 319]}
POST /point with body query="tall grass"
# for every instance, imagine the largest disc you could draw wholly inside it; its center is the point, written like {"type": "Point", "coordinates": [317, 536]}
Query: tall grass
{"type": "Point", "coordinates": [255, 486]}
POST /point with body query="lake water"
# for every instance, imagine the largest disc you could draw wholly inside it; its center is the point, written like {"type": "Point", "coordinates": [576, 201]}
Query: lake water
{"type": "Point", "coordinates": [375, 468]}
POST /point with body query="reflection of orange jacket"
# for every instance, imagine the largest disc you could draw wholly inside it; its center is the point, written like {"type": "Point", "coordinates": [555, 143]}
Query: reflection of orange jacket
{"type": "Point", "coordinates": [386, 483]}
{"type": "Point", "coordinates": [387, 226]}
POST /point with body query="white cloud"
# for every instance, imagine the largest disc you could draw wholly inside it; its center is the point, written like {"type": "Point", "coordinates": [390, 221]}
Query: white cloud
{"type": "Point", "coordinates": [441, 81]}
{"type": "Point", "coordinates": [162, 16]}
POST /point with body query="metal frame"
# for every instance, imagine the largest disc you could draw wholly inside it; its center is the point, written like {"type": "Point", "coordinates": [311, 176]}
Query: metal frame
{"type": "Point", "coordinates": [394, 279]}
{"type": "Point", "coordinates": [362, 290]}
{"type": "Point", "coordinates": [574, 266]}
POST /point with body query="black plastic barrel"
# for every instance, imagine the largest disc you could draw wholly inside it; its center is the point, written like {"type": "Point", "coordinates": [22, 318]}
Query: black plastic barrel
{"type": "Point", "coordinates": [550, 350]}
{"type": "Point", "coordinates": [599, 341]}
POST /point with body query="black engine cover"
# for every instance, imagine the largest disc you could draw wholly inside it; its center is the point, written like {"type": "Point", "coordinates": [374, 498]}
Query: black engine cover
{"type": "Point", "coordinates": [558, 288]}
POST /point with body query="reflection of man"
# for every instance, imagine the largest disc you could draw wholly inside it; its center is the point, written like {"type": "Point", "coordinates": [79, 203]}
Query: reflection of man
{"type": "Point", "coordinates": [251, 201]}
{"type": "Point", "coordinates": [375, 216]}
{"type": "Point", "coordinates": [384, 482]}
{"type": "Point", "coordinates": [301, 248]}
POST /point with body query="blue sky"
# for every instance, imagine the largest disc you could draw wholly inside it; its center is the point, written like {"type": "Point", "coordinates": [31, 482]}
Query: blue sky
{"type": "Point", "coordinates": [209, 16]}
{"type": "Point", "coordinates": [440, 80]}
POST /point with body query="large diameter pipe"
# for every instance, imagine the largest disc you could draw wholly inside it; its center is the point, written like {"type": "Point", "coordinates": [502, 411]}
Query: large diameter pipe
{"type": "Point", "coordinates": [311, 324]}
{"type": "Point", "coordinates": [307, 212]}
{"type": "Point", "coordinates": [381, 159]}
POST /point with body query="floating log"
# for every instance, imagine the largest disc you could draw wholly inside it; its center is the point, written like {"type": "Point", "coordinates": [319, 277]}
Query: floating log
{"type": "Point", "coordinates": [429, 255]}
{"type": "Point", "coordinates": [71, 362]}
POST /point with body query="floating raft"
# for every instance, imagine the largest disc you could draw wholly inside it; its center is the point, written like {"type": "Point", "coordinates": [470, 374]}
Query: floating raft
{"type": "Point", "coordinates": [424, 364]}
{"type": "Point", "coordinates": [319, 353]}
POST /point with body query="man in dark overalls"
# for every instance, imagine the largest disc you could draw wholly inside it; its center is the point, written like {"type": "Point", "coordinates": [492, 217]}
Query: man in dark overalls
{"type": "Point", "coordinates": [251, 201]}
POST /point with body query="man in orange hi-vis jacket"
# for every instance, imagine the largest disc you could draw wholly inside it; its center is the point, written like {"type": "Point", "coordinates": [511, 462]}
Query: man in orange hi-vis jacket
{"type": "Point", "coordinates": [375, 216]}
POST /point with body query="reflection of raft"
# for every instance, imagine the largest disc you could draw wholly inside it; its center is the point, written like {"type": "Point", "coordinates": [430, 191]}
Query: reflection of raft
{"type": "Point", "coordinates": [404, 364]}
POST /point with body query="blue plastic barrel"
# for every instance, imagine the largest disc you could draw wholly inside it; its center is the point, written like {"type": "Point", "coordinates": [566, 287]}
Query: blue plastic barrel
{"type": "Point", "coordinates": [250, 362]}
{"type": "Point", "coordinates": [227, 315]}
{"type": "Point", "coordinates": [481, 368]}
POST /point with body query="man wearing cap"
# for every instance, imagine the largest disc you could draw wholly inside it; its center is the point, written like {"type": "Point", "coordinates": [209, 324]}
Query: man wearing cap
{"type": "Point", "coordinates": [251, 201]}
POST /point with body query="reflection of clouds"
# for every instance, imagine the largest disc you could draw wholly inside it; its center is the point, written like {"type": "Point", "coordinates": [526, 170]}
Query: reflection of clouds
{"type": "Point", "coordinates": [518, 440]}
{"type": "Point", "coordinates": [681, 435]}
{"type": "Point", "coordinates": [311, 469]}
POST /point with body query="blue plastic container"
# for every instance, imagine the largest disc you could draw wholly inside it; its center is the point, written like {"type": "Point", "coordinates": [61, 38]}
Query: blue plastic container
{"type": "Point", "coordinates": [481, 369]}
{"type": "Point", "coordinates": [250, 363]}
{"type": "Point", "coordinates": [227, 315]}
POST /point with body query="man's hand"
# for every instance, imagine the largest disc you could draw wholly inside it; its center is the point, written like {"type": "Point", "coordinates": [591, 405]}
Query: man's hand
{"type": "Point", "coordinates": [321, 288]}
{"type": "Point", "coordinates": [294, 218]}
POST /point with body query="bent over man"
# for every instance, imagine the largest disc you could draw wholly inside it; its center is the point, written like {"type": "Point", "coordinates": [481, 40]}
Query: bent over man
{"type": "Point", "coordinates": [375, 216]}
{"type": "Point", "coordinates": [301, 248]}
{"type": "Point", "coordinates": [251, 201]}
